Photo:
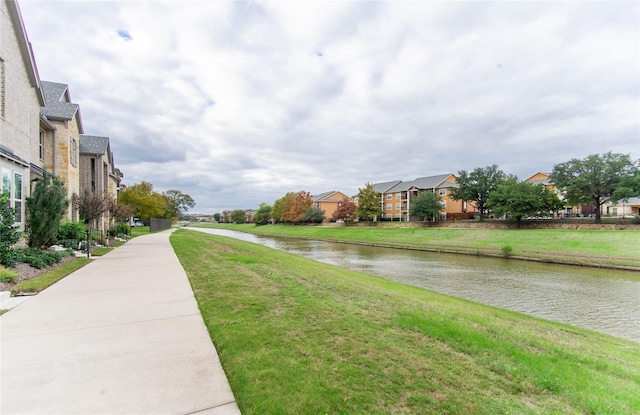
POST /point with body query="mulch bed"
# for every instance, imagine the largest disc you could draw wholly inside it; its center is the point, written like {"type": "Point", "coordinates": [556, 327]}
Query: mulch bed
{"type": "Point", "coordinates": [27, 272]}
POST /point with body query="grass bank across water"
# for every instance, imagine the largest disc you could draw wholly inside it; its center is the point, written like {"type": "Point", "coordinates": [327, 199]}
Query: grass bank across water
{"type": "Point", "coordinates": [300, 337]}
{"type": "Point", "coordinates": [580, 247]}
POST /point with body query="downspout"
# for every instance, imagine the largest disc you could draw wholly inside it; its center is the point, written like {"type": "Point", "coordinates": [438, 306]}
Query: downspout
{"type": "Point", "coordinates": [53, 153]}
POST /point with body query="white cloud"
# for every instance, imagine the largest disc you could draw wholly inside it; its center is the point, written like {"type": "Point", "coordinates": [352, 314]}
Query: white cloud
{"type": "Point", "coordinates": [237, 103]}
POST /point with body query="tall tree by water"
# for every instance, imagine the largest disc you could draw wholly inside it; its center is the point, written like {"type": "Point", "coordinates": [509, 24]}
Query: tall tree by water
{"type": "Point", "coordinates": [595, 179]}
{"type": "Point", "coordinates": [147, 202]}
{"type": "Point", "coordinates": [517, 200]}
{"type": "Point", "coordinates": [478, 185]}
{"type": "Point", "coordinates": [346, 210]}
{"type": "Point", "coordinates": [177, 203]}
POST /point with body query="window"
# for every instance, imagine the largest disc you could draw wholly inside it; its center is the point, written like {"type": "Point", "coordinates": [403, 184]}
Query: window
{"type": "Point", "coordinates": [17, 195]}
{"type": "Point", "coordinates": [443, 203]}
{"type": "Point", "coordinates": [397, 195]}
{"type": "Point", "coordinates": [443, 192]}
{"type": "Point", "coordinates": [12, 185]}
{"type": "Point", "coordinates": [41, 145]}
{"type": "Point", "coordinates": [397, 205]}
{"type": "Point", "coordinates": [389, 216]}
{"type": "Point", "coordinates": [73, 152]}
{"type": "Point", "coordinates": [389, 196]}
{"type": "Point", "coordinates": [388, 206]}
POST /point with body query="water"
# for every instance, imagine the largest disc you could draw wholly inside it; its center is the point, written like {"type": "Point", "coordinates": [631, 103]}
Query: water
{"type": "Point", "coordinates": [607, 301]}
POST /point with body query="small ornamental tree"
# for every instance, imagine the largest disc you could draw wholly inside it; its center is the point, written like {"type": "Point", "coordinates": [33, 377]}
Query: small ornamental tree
{"type": "Point", "coordinates": [369, 206]}
{"type": "Point", "coordinates": [9, 233]}
{"type": "Point", "coordinates": [90, 207]}
{"type": "Point", "coordinates": [346, 210]}
{"type": "Point", "coordinates": [45, 209]}
{"type": "Point", "coordinates": [426, 205]}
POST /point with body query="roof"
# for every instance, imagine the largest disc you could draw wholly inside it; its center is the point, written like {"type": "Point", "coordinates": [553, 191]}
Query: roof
{"type": "Point", "coordinates": [25, 47]}
{"type": "Point", "coordinates": [384, 186]}
{"type": "Point", "coordinates": [90, 144]}
{"type": "Point", "coordinates": [427, 182]}
{"type": "Point", "coordinates": [57, 107]}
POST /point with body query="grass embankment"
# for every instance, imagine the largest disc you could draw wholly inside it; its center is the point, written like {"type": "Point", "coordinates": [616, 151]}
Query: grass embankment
{"type": "Point", "coordinates": [39, 283]}
{"type": "Point", "coordinates": [296, 336]}
{"type": "Point", "coordinates": [580, 247]}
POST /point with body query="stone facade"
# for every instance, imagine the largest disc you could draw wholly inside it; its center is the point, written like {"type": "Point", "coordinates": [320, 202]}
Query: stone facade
{"type": "Point", "coordinates": [20, 101]}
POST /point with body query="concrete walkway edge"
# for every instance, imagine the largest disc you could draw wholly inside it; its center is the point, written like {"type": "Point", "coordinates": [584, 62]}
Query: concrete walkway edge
{"type": "Point", "coordinates": [122, 335]}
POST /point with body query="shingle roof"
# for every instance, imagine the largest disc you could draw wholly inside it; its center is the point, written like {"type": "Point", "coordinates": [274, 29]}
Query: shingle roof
{"type": "Point", "coordinates": [54, 108]}
{"type": "Point", "coordinates": [90, 144]}
{"type": "Point", "coordinates": [384, 186]}
{"type": "Point", "coordinates": [428, 182]}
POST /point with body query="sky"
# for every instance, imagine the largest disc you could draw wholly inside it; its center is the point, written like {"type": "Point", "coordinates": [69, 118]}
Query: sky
{"type": "Point", "coordinates": [238, 103]}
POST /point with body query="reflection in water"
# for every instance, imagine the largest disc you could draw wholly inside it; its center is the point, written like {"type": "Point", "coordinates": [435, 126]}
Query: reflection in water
{"type": "Point", "coordinates": [607, 301]}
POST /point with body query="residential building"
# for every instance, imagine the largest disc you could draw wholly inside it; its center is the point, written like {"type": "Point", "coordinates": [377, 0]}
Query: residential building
{"type": "Point", "coordinates": [328, 202]}
{"type": "Point", "coordinates": [622, 208]}
{"type": "Point", "coordinates": [396, 199]}
{"type": "Point", "coordinates": [21, 97]}
{"type": "Point", "coordinates": [98, 174]}
{"type": "Point", "coordinates": [61, 158]}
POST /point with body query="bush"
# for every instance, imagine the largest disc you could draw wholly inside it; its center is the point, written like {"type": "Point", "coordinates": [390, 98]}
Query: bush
{"type": "Point", "coordinates": [9, 233]}
{"type": "Point", "coordinates": [38, 258]}
{"type": "Point", "coordinates": [7, 275]}
{"type": "Point", "coordinates": [72, 230]}
{"type": "Point", "coordinates": [120, 229]}
{"type": "Point", "coordinates": [507, 250]}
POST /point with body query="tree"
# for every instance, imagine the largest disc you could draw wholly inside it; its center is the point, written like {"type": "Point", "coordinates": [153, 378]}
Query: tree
{"type": "Point", "coordinates": [147, 202]}
{"type": "Point", "coordinates": [629, 187]}
{"type": "Point", "coordinates": [262, 215]}
{"type": "Point", "coordinates": [313, 215]}
{"type": "Point", "coordinates": [477, 186]}
{"type": "Point", "coordinates": [594, 179]}
{"type": "Point", "coordinates": [120, 211]}
{"type": "Point", "coordinates": [177, 203]}
{"type": "Point", "coordinates": [517, 200]}
{"type": "Point", "coordinates": [277, 213]}
{"type": "Point", "coordinates": [9, 232]}
{"type": "Point", "coordinates": [426, 205]}
{"type": "Point", "coordinates": [295, 207]}
{"type": "Point", "coordinates": [90, 207]}
{"type": "Point", "coordinates": [45, 209]}
{"type": "Point", "coordinates": [238, 216]}
{"type": "Point", "coordinates": [346, 210]}
{"type": "Point", "coordinates": [369, 205]}
{"type": "Point", "coordinates": [216, 217]}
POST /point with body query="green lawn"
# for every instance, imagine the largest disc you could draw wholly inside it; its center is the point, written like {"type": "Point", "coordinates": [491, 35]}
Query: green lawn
{"type": "Point", "coordinates": [297, 336]}
{"type": "Point", "coordinates": [599, 248]}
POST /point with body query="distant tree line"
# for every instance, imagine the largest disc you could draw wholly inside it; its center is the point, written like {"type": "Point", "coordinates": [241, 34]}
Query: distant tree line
{"type": "Point", "coordinates": [594, 180]}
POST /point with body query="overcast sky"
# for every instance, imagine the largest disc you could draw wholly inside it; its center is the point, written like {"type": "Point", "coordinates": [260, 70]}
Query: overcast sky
{"type": "Point", "coordinates": [236, 103]}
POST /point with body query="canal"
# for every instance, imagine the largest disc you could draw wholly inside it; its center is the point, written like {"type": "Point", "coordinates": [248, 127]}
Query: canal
{"type": "Point", "coordinates": [607, 301]}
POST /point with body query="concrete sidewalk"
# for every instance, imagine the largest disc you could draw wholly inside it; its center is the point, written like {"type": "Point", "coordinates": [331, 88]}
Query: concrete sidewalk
{"type": "Point", "coordinates": [123, 335]}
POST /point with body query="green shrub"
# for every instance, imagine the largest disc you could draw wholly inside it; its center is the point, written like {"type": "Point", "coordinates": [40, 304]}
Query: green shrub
{"type": "Point", "coordinates": [72, 231]}
{"type": "Point", "coordinates": [507, 250]}
{"type": "Point", "coordinates": [9, 233]}
{"type": "Point", "coordinates": [7, 275]}
{"type": "Point", "coordinates": [119, 230]}
{"type": "Point", "coordinates": [38, 258]}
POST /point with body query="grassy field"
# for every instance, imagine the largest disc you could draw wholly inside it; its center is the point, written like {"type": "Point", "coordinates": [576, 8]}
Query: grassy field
{"type": "Point", "coordinates": [597, 248]}
{"type": "Point", "coordinates": [297, 336]}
